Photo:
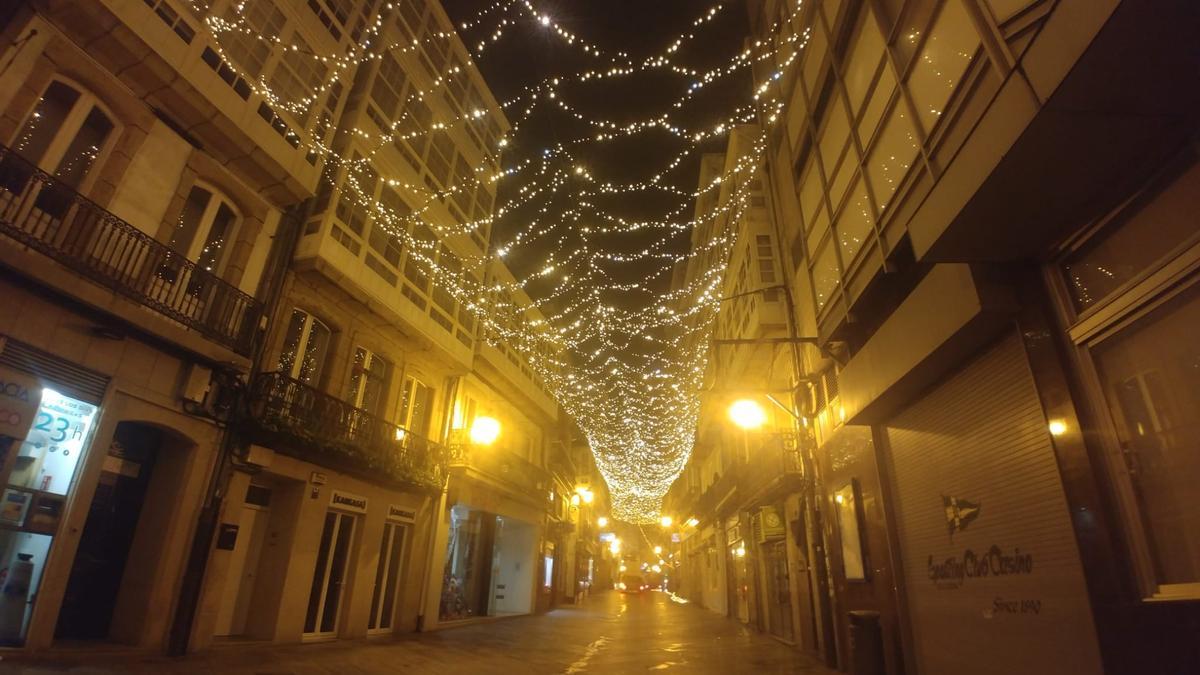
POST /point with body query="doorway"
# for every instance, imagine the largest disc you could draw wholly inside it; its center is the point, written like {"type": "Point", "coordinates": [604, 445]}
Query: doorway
{"type": "Point", "coordinates": [779, 590]}
{"type": "Point", "coordinates": [387, 578]}
{"type": "Point", "coordinates": [243, 561]}
{"type": "Point", "coordinates": [95, 580]}
{"type": "Point", "coordinates": [329, 576]}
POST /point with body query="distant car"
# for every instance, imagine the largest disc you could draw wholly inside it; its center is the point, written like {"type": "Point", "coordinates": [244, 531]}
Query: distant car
{"type": "Point", "coordinates": [631, 583]}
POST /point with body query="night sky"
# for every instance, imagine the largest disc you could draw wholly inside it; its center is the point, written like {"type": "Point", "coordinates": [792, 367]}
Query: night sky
{"type": "Point", "coordinates": [528, 53]}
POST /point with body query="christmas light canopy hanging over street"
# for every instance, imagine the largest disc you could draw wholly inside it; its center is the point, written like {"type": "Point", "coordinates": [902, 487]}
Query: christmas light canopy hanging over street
{"type": "Point", "coordinates": [589, 311]}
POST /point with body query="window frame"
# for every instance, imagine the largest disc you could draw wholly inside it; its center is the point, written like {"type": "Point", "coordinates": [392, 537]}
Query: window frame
{"type": "Point", "coordinates": [1175, 273]}
{"type": "Point", "coordinates": [357, 390]}
{"type": "Point", "coordinates": [301, 344]}
{"type": "Point", "coordinates": [74, 120]}
{"type": "Point", "coordinates": [199, 240]}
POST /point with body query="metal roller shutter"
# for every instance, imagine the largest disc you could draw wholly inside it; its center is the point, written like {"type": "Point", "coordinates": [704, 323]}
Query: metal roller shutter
{"type": "Point", "coordinates": [993, 576]}
{"type": "Point", "coordinates": [60, 374]}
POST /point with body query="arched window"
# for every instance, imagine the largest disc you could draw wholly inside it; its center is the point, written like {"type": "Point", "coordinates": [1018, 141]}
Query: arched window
{"type": "Point", "coordinates": [205, 229]}
{"type": "Point", "coordinates": [65, 133]}
{"type": "Point", "coordinates": [305, 347]}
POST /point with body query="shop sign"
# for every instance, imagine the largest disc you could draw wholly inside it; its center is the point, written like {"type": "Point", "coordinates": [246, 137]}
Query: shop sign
{"type": "Point", "coordinates": [400, 514]}
{"type": "Point", "coordinates": [20, 396]}
{"type": "Point", "coordinates": [348, 502]}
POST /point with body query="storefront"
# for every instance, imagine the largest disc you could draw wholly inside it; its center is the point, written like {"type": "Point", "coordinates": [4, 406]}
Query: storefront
{"type": "Point", "coordinates": [45, 433]}
{"type": "Point", "coordinates": [308, 554]}
{"type": "Point", "coordinates": [738, 584]}
{"type": "Point", "coordinates": [488, 565]}
{"type": "Point", "coordinates": [992, 571]}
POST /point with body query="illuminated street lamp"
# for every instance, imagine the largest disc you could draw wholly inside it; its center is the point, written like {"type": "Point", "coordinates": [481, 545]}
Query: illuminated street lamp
{"type": "Point", "coordinates": [666, 521]}
{"type": "Point", "coordinates": [602, 521]}
{"type": "Point", "coordinates": [747, 414]}
{"type": "Point", "coordinates": [657, 550]}
{"type": "Point", "coordinates": [485, 430]}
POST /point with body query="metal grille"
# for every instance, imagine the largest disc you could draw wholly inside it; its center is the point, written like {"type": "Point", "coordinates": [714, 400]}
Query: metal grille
{"type": "Point", "coordinates": [61, 375]}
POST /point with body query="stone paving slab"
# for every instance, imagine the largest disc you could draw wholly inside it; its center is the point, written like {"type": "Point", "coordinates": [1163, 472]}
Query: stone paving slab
{"type": "Point", "coordinates": [610, 633]}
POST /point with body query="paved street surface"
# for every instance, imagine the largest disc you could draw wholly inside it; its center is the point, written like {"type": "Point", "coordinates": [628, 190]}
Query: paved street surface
{"type": "Point", "coordinates": [610, 633]}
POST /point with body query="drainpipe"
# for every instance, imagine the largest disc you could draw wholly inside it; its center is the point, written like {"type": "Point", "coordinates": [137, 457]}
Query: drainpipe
{"type": "Point", "coordinates": [192, 584]}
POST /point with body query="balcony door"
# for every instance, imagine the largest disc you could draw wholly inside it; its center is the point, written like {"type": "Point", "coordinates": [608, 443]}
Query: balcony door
{"type": "Point", "coordinates": [199, 240]}
{"type": "Point", "coordinates": [368, 380]}
{"type": "Point", "coordinates": [205, 228]}
{"type": "Point", "coordinates": [387, 579]}
{"type": "Point", "coordinates": [305, 347]}
{"type": "Point", "coordinates": [416, 407]}
{"type": "Point", "coordinates": [329, 576]}
{"type": "Point", "coordinates": [64, 136]}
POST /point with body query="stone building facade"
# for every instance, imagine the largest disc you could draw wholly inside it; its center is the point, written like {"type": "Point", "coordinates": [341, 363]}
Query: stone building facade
{"type": "Point", "coordinates": [263, 393]}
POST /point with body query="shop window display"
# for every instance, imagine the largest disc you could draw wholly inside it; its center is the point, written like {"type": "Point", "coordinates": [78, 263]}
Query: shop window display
{"type": "Point", "coordinates": [39, 473]}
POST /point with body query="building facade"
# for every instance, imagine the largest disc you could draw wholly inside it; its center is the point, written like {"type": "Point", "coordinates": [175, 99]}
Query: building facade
{"type": "Point", "coordinates": [740, 505]}
{"type": "Point", "coordinates": [241, 333]}
{"type": "Point", "coordinates": [984, 211]}
{"type": "Point", "coordinates": [142, 248]}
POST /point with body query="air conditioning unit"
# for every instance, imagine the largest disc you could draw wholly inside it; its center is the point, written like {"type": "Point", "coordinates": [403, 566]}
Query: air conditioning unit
{"type": "Point", "coordinates": [767, 524]}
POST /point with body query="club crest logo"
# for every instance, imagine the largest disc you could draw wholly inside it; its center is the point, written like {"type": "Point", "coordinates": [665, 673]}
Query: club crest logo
{"type": "Point", "coordinates": [959, 514]}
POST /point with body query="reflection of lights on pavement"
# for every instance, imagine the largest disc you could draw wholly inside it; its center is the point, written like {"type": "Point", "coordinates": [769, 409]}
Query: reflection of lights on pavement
{"type": "Point", "coordinates": [676, 598]}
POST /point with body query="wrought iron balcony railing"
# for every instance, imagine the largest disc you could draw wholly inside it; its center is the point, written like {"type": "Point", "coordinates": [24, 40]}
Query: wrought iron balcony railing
{"type": "Point", "coordinates": [52, 218]}
{"type": "Point", "coordinates": [519, 473]}
{"type": "Point", "coordinates": [301, 421]}
{"type": "Point", "coordinates": [775, 463]}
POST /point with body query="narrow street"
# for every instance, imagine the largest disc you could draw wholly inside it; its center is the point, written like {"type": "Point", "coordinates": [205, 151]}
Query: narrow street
{"type": "Point", "coordinates": [610, 633]}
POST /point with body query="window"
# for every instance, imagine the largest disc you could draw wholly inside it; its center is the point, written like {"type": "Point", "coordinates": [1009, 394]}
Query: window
{"type": "Point", "coordinates": [297, 78]}
{"type": "Point", "coordinates": [368, 380]}
{"type": "Point", "coordinates": [947, 52]}
{"type": "Point", "coordinates": [204, 230]}
{"type": "Point", "coordinates": [305, 346]}
{"type": "Point", "coordinates": [409, 17]}
{"type": "Point", "coordinates": [357, 195]}
{"type": "Point", "coordinates": [441, 153]}
{"type": "Point", "coordinates": [826, 276]}
{"type": "Point", "coordinates": [64, 135]}
{"type": "Point", "coordinates": [894, 152]}
{"type": "Point", "coordinates": [1126, 249]}
{"type": "Point", "coordinates": [388, 87]}
{"type": "Point", "coordinates": [1135, 319]}
{"type": "Point", "coordinates": [856, 223]}
{"type": "Point", "coordinates": [247, 47]}
{"type": "Point", "coordinates": [1150, 376]}
{"type": "Point", "coordinates": [416, 406]}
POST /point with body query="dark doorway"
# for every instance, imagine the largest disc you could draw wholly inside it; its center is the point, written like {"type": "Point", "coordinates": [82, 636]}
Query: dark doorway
{"type": "Point", "coordinates": [779, 590]}
{"type": "Point", "coordinates": [95, 580]}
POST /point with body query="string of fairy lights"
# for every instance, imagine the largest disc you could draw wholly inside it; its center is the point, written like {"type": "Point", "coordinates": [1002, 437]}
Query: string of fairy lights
{"type": "Point", "coordinates": [628, 372]}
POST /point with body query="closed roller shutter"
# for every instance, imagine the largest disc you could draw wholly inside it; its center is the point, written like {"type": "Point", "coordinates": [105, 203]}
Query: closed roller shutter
{"type": "Point", "coordinates": [58, 373]}
{"type": "Point", "coordinates": [993, 577]}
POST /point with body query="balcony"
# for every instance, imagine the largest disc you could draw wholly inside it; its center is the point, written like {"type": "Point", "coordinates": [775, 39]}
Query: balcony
{"type": "Point", "coordinates": [715, 496]}
{"type": "Point", "coordinates": [46, 215]}
{"type": "Point", "coordinates": [523, 477]}
{"type": "Point", "coordinates": [299, 421]}
{"type": "Point", "coordinates": [775, 468]}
